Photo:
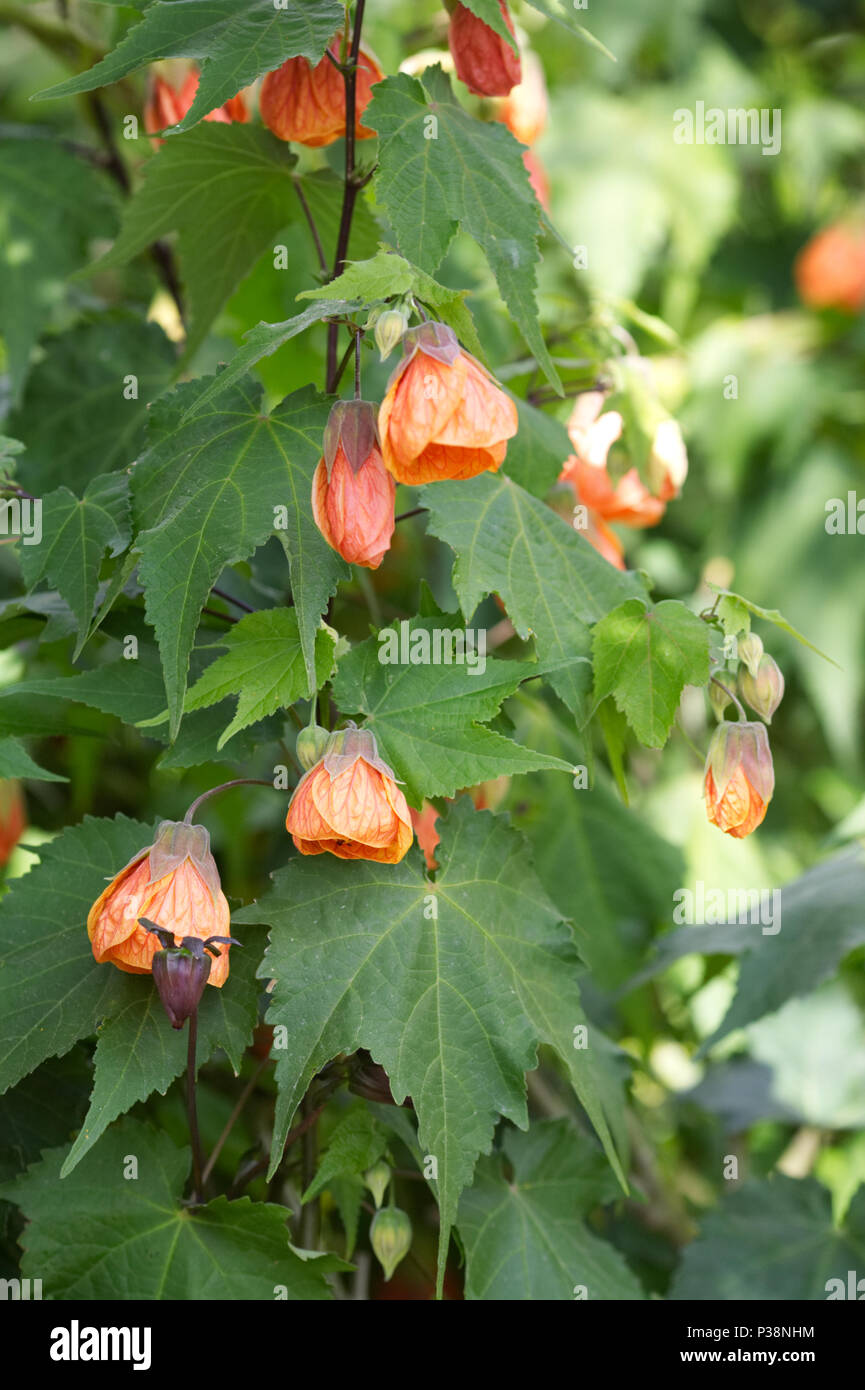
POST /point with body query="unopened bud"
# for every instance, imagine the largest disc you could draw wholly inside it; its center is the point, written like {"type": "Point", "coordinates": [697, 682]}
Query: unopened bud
{"type": "Point", "coordinates": [377, 1180]}
{"type": "Point", "coordinates": [311, 743]}
{"type": "Point", "coordinates": [390, 1234]}
{"type": "Point", "coordinates": [764, 691]}
{"type": "Point", "coordinates": [739, 778]}
{"type": "Point", "coordinates": [750, 651]}
{"type": "Point", "coordinates": [389, 331]}
{"type": "Point", "coordinates": [181, 972]}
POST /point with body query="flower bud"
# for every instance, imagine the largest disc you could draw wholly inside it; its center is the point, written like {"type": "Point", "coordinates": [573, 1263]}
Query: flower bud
{"type": "Point", "coordinates": [750, 650]}
{"type": "Point", "coordinates": [484, 60]}
{"type": "Point", "coordinates": [352, 492]}
{"type": "Point", "coordinates": [310, 746]}
{"type": "Point", "coordinates": [739, 777]}
{"type": "Point", "coordinates": [377, 1180]}
{"type": "Point", "coordinates": [181, 972]}
{"type": "Point", "coordinates": [390, 1235]}
{"type": "Point", "coordinates": [389, 329]}
{"type": "Point", "coordinates": [764, 691]}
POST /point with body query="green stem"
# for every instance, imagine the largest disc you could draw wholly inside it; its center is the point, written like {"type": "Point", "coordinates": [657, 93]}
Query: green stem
{"type": "Point", "coordinates": [192, 1110]}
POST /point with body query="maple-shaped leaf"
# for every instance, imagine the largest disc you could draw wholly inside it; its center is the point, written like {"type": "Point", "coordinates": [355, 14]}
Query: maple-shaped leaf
{"type": "Point", "coordinates": [450, 985]}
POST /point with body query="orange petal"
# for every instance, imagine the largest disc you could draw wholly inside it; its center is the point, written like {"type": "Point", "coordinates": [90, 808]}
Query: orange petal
{"type": "Point", "coordinates": [418, 407]}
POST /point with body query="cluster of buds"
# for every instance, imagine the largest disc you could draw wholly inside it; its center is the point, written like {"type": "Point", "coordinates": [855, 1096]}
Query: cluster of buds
{"type": "Point", "coordinates": [739, 777]}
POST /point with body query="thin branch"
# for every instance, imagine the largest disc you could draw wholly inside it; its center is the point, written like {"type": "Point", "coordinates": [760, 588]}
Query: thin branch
{"type": "Point", "coordinates": [415, 511]}
{"type": "Point", "coordinates": [307, 212]}
{"type": "Point", "coordinates": [229, 598]}
{"type": "Point", "coordinates": [351, 188]}
{"type": "Point", "coordinates": [234, 1117]}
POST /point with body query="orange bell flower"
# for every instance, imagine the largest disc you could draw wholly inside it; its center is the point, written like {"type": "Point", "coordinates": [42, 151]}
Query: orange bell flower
{"type": "Point", "coordinates": [628, 501]}
{"type": "Point", "coordinates": [13, 817]}
{"type": "Point", "coordinates": [484, 61]}
{"type": "Point", "coordinates": [167, 105]}
{"type": "Point", "coordinates": [349, 804]}
{"type": "Point", "coordinates": [739, 777]}
{"type": "Point", "coordinates": [830, 270]}
{"type": "Point", "coordinates": [175, 884]}
{"type": "Point", "coordinates": [307, 104]}
{"type": "Point", "coordinates": [524, 109]}
{"type": "Point", "coordinates": [352, 492]}
{"type": "Point", "coordinates": [443, 416]}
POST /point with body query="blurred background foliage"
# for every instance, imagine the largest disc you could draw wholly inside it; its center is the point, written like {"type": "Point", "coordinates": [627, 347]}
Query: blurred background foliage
{"type": "Point", "coordinates": [691, 249]}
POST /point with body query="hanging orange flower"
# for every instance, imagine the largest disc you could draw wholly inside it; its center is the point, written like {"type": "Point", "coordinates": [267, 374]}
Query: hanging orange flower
{"type": "Point", "coordinates": [175, 884]}
{"type": "Point", "coordinates": [524, 109]}
{"type": "Point", "coordinates": [166, 105]}
{"type": "Point", "coordinates": [307, 104]}
{"type": "Point", "coordinates": [483, 59]}
{"type": "Point", "coordinates": [443, 416]}
{"type": "Point", "coordinates": [13, 817]}
{"type": "Point", "coordinates": [739, 777]}
{"type": "Point", "coordinates": [352, 491]}
{"type": "Point", "coordinates": [350, 805]}
{"type": "Point", "coordinates": [830, 269]}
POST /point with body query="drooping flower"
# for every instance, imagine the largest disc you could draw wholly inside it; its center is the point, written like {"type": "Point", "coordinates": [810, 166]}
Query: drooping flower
{"type": "Point", "coordinates": [307, 104]}
{"type": "Point", "coordinates": [175, 884]}
{"type": "Point", "coordinates": [13, 817]}
{"type": "Point", "coordinates": [483, 59]}
{"type": "Point", "coordinates": [524, 109]}
{"type": "Point", "coordinates": [765, 690]}
{"type": "Point", "coordinates": [167, 105]}
{"type": "Point", "coordinates": [739, 778]}
{"type": "Point", "coordinates": [349, 804]}
{"type": "Point", "coordinates": [629, 500]}
{"type": "Point", "coordinates": [443, 415]}
{"type": "Point", "coordinates": [830, 270]}
{"type": "Point", "coordinates": [352, 492]}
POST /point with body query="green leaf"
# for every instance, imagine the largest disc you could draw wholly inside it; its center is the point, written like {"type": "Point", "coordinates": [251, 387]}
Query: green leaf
{"type": "Point", "coordinates": [199, 736]}
{"type": "Point", "coordinates": [234, 41]}
{"type": "Point", "coordinates": [773, 1240]}
{"type": "Point", "coordinates": [15, 761]}
{"type": "Point", "coordinates": [427, 717]}
{"type": "Point", "coordinates": [818, 922]}
{"type": "Point", "coordinates": [604, 868]}
{"type": "Point", "coordinates": [99, 1234]}
{"type": "Point", "coordinates": [387, 274]}
{"type": "Point", "coordinates": [75, 538]}
{"type": "Point", "coordinates": [538, 451]}
{"type": "Point", "coordinates": [138, 1052]}
{"type": "Point", "coordinates": [52, 992]}
{"type": "Point", "coordinates": [355, 1145]}
{"type": "Point", "coordinates": [526, 1236]}
{"type": "Point", "coordinates": [51, 204]}
{"type": "Point", "coordinates": [644, 657]}
{"type": "Point", "coordinates": [551, 581]}
{"type": "Point", "coordinates": [226, 190]}
{"type": "Point", "coordinates": [458, 172]}
{"type": "Point", "coordinates": [42, 1110]}
{"type": "Point", "coordinates": [262, 341]}
{"type": "Point", "coordinates": [209, 491]}
{"type": "Point", "coordinates": [128, 689]}
{"type": "Point", "coordinates": [450, 986]}
{"type": "Point", "coordinates": [735, 612]}
{"type": "Point", "coordinates": [76, 416]}
{"type": "Point", "coordinates": [264, 666]}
